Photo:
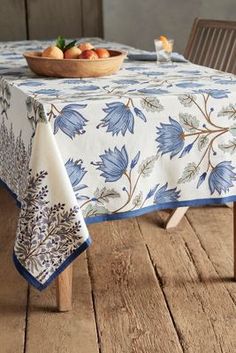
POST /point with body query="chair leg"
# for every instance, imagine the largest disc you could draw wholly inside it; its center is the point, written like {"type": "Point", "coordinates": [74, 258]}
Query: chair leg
{"type": "Point", "coordinates": [64, 289]}
{"type": "Point", "coordinates": [234, 236]}
{"type": "Point", "coordinates": [175, 217]}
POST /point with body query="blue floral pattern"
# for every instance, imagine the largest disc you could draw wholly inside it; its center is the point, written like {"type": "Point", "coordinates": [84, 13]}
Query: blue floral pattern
{"type": "Point", "coordinates": [95, 149]}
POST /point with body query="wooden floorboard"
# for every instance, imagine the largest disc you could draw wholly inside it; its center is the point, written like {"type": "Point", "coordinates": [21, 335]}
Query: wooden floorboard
{"type": "Point", "coordinates": [13, 288]}
{"type": "Point", "coordinates": [214, 229]}
{"type": "Point", "coordinates": [132, 315]}
{"type": "Point", "coordinates": [140, 289]}
{"type": "Point", "coordinates": [71, 332]}
{"type": "Point", "coordinates": [202, 309]}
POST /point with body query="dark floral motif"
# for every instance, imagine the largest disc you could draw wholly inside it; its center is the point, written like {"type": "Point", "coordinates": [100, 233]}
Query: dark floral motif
{"type": "Point", "coordinates": [114, 164]}
{"type": "Point", "coordinates": [46, 235]}
{"type": "Point", "coordinates": [164, 195]}
{"type": "Point", "coordinates": [221, 177]}
{"type": "Point", "coordinates": [170, 138]}
{"type": "Point", "coordinates": [70, 120]}
{"type": "Point", "coordinates": [120, 118]}
{"type": "Point", "coordinates": [35, 112]}
{"type": "Point", "coordinates": [14, 160]}
{"type": "Point", "coordinates": [76, 172]}
{"type": "Point", "coordinates": [5, 96]}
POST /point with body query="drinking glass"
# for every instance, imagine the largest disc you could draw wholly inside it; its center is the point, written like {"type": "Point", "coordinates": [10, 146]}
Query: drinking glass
{"type": "Point", "coordinates": [163, 50]}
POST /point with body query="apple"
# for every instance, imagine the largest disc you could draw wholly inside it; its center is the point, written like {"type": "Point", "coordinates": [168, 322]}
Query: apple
{"type": "Point", "coordinates": [102, 53]}
{"type": "Point", "coordinates": [72, 53]}
{"type": "Point", "coordinates": [85, 46]}
{"type": "Point", "coordinates": [53, 52]}
{"type": "Point", "coordinates": [88, 54]}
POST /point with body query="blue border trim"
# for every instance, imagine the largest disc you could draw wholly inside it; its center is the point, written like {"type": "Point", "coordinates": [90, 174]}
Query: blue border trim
{"type": "Point", "coordinates": [142, 211]}
{"type": "Point", "coordinates": [34, 282]}
{"type": "Point", "coordinates": [109, 217]}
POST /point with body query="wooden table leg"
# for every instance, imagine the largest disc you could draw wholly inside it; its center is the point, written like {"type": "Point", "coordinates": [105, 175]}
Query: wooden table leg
{"type": "Point", "coordinates": [64, 289]}
{"type": "Point", "coordinates": [234, 236]}
{"type": "Point", "coordinates": [175, 217]}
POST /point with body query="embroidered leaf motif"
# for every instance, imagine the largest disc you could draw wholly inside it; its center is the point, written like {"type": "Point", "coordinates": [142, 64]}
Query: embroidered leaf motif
{"type": "Point", "coordinates": [189, 122]}
{"type": "Point", "coordinates": [146, 167]}
{"type": "Point", "coordinates": [229, 111]}
{"type": "Point", "coordinates": [94, 210]}
{"type": "Point", "coordinates": [202, 142]}
{"type": "Point", "coordinates": [105, 194]}
{"type": "Point", "coordinates": [189, 173]}
{"type": "Point", "coordinates": [186, 99]}
{"type": "Point", "coordinates": [151, 104]}
{"type": "Point", "coordinates": [229, 147]}
{"type": "Point", "coordinates": [137, 201]}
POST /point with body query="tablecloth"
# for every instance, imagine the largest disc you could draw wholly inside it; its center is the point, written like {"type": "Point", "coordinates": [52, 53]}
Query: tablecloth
{"type": "Point", "coordinates": [78, 151]}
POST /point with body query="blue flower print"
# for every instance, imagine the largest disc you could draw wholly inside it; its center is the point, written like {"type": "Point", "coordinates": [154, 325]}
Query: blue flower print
{"type": "Point", "coordinates": [152, 91]}
{"type": "Point", "coordinates": [31, 83]}
{"type": "Point", "coordinates": [120, 118]}
{"type": "Point", "coordinates": [226, 82]}
{"type": "Point", "coordinates": [214, 93]}
{"type": "Point", "coordinates": [221, 177]}
{"type": "Point", "coordinates": [170, 138]}
{"type": "Point", "coordinates": [86, 88]}
{"type": "Point", "coordinates": [113, 164]}
{"type": "Point", "coordinates": [76, 172]}
{"type": "Point", "coordinates": [49, 92]}
{"type": "Point", "coordinates": [70, 121]}
{"type": "Point", "coordinates": [188, 84]}
{"type": "Point", "coordinates": [193, 72]}
{"type": "Point", "coordinates": [163, 195]}
{"type": "Point", "coordinates": [126, 82]}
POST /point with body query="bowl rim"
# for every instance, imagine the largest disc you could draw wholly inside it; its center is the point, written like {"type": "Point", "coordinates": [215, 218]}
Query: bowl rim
{"type": "Point", "coordinates": [37, 55]}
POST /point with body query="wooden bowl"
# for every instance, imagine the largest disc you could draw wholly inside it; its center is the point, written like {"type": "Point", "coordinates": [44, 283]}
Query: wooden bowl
{"type": "Point", "coordinates": [75, 67]}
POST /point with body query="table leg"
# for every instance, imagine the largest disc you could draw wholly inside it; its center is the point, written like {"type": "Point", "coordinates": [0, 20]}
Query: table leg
{"type": "Point", "coordinates": [175, 217]}
{"type": "Point", "coordinates": [234, 236]}
{"type": "Point", "coordinates": [64, 289]}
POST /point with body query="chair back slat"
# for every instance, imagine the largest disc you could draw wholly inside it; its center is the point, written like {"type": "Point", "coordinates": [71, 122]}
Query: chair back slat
{"type": "Point", "coordinates": [212, 43]}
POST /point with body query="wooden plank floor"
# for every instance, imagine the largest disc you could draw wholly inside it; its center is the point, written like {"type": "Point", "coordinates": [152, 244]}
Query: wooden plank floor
{"type": "Point", "coordinates": [138, 289]}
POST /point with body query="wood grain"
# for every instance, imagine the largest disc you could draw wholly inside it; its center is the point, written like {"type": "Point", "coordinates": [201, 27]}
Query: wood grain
{"type": "Point", "coordinates": [13, 289]}
{"type": "Point", "coordinates": [201, 306]}
{"type": "Point", "coordinates": [132, 315]}
{"type": "Point", "coordinates": [214, 229]}
{"type": "Point", "coordinates": [92, 18]}
{"type": "Point", "coordinates": [12, 20]}
{"type": "Point", "coordinates": [75, 67]}
{"type": "Point", "coordinates": [51, 332]}
{"type": "Point", "coordinates": [212, 43]}
{"type": "Point", "coordinates": [64, 289]}
{"type": "Point", "coordinates": [48, 19]}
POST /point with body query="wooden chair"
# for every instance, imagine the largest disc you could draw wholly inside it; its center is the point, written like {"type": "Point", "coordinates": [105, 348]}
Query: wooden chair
{"type": "Point", "coordinates": [211, 43]}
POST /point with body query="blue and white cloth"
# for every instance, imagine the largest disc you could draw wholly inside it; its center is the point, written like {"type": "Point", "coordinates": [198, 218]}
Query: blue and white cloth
{"type": "Point", "coordinates": [78, 151]}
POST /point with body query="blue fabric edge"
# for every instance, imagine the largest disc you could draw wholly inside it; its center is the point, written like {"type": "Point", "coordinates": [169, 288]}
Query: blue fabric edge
{"type": "Point", "coordinates": [63, 266]}
{"type": "Point", "coordinates": [142, 211]}
{"type": "Point", "coordinates": [108, 217]}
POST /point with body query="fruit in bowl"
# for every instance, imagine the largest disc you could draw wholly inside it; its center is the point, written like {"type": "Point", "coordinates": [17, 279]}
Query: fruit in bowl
{"type": "Point", "coordinates": [102, 53]}
{"type": "Point", "coordinates": [53, 52]}
{"type": "Point", "coordinates": [88, 54]}
{"type": "Point", "coordinates": [85, 46]}
{"type": "Point", "coordinates": [85, 50]}
{"type": "Point", "coordinates": [72, 53]}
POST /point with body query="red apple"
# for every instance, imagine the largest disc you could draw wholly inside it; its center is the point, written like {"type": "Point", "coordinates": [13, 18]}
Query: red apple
{"type": "Point", "coordinates": [102, 53]}
{"type": "Point", "coordinates": [88, 54]}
